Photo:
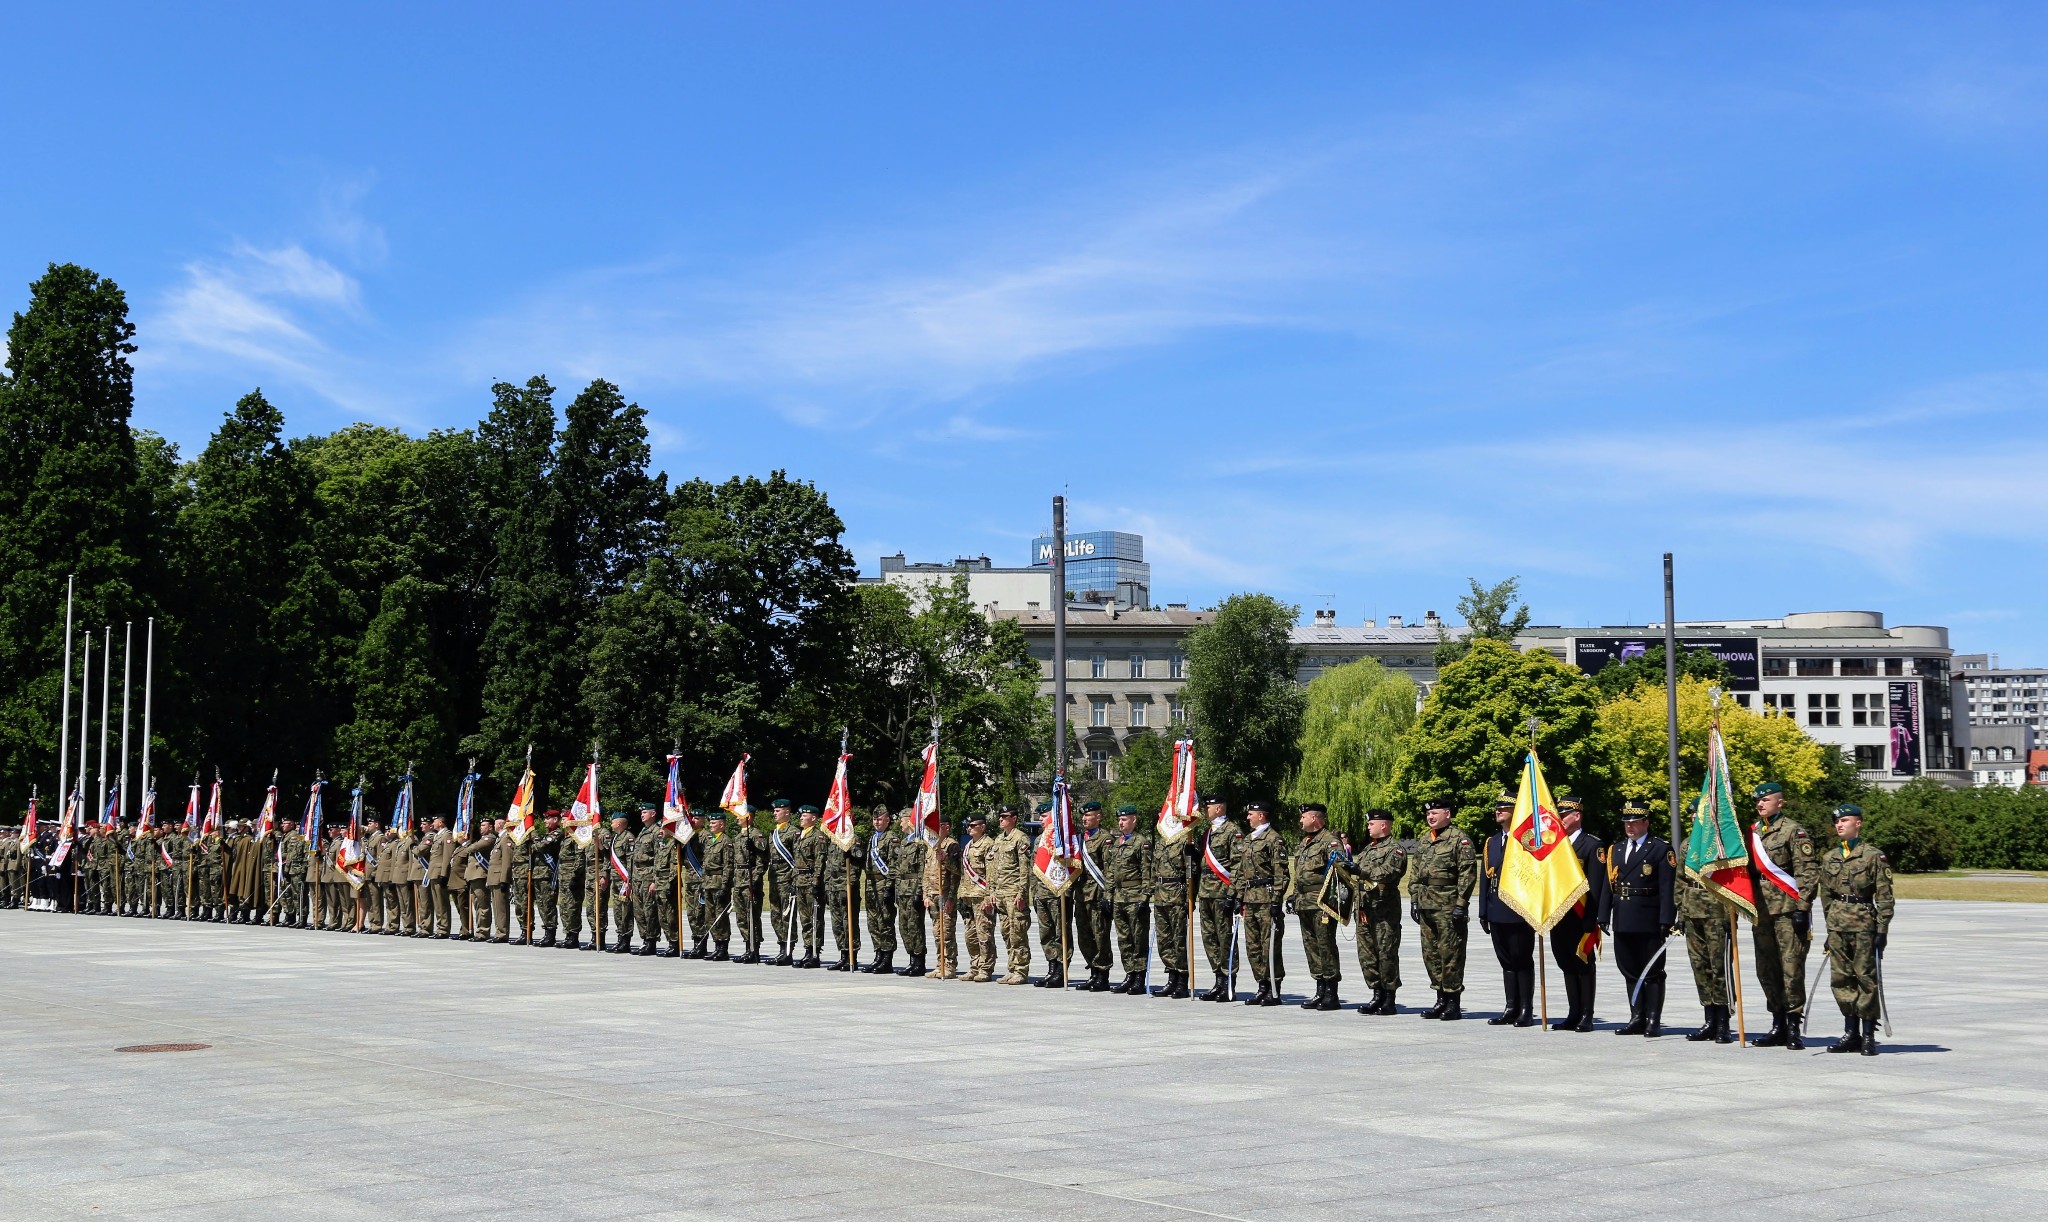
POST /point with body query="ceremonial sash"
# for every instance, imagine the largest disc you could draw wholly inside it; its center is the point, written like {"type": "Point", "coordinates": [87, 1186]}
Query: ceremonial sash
{"type": "Point", "coordinates": [619, 866]}
{"type": "Point", "coordinates": [1209, 859]}
{"type": "Point", "coordinates": [165, 853]}
{"type": "Point", "coordinates": [1094, 871]}
{"type": "Point", "coordinates": [875, 853]}
{"type": "Point", "coordinates": [788, 858]}
{"type": "Point", "coordinates": [967, 868]}
{"type": "Point", "coordinates": [1771, 870]}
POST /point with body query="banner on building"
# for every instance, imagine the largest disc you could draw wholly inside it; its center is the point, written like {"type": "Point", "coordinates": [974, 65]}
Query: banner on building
{"type": "Point", "coordinates": [1905, 728]}
{"type": "Point", "coordinates": [1738, 653]}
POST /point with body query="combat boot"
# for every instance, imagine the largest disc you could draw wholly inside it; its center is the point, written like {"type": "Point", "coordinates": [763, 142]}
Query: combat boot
{"type": "Point", "coordinates": [1852, 1039]}
{"type": "Point", "coordinates": [513, 942]}
{"type": "Point", "coordinates": [641, 950]}
{"type": "Point", "coordinates": [1373, 1006]}
{"type": "Point", "coordinates": [1013, 979]}
{"type": "Point", "coordinates": [1055, 977]}
{"type": "Point", "coordinates": [913, 967]}
{"type": "Point", "coordinates": [1776, 1036]}
{"type": "Point", "coordinates": [1709, 1027]}
{"type": "Point", "coordinates": [1869, 1048]}
{"type": "Point", "coordinates": [1214, 992]}
{"type": "Point", "coordinates": [1637, 1017]}
{"type": "Point", "coordinates": [1166, 988]}
{"type": "Point", "coordinates": [885, 965]}
{"type": "Point", "coordinates": [1722, 1035]}
{"type": "Point", "coordinates": [719, 955]}
{"type": "Point", "coordinates": [1793, 1039]}
{"type": "Point", "coordinates": [1437, 1011]}
{"type": "Point", "coordinates": [1653, 1005]}
{"type": "Point", "coordinates": [1260, 998]}
{"type": "Point", "coordinates": [696, 951]}
{"type": "Point", "coordinates": [1124, 985]}
{"type": "Point", "coordinates": [1180, 989]}
{"type": "Point", "coordinates": [752, 956]}
{"type": "Point", "coordinates": [809, 960]}
{"type": "Point", "coordinates": [1510, 1011]}
{"type": "Point", "coordinates": [840, 966]}
{"type": "Point", "coordinates": [1098, 981]}
{"type": "Point", "coordinates": [1315, 1002]}
{"type": "Point", "coordinates": [785, 959]}
{"type": "Point", "coordinates": [1453, 1011]}
{"type": "Point", "coordinates": [1330, 1000]}
{"type": "Point", "coordinates": [547, 941]}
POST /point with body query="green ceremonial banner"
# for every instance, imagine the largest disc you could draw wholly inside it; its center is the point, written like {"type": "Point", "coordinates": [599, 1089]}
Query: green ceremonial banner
{"type": "Point", "coordinates": [1715, 852]}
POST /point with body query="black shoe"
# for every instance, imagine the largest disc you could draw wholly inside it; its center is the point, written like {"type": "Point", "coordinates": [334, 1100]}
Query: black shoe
{"type": "Point", "coordinates": [498, 941]}
{"type": "Point", "coordinates": [1793, 1039]}
{"type": "Point", "coordinates": [513, 942]}
{"type": "Point", "coordinates": [642, 950]}
{"type": "Point", "coordinates": [1869, 1048]}
{"type": "Point", "coordinates": [808, 961]}
{"type": "Point", "coordinates": [697, 951]}
{"type": "Point", "coordinates": [785, 959]}
{"type": "Point", "coordinates": [1773, 1038]}
{"type": "Point", "coordinates": [1215, 992]}
{"type": "Point", "coordinates": [913, 966]}
{"type": "Point", "coordinates": [1124, 985]}
{"type": "Point", "coordinates": [1330, 999]}
{"type": "Point", "coordinates": [1506, 1018]}
{"type": "Point", "coordinates": [1852, 1039]}
{"type": "Point", "coordinates": [1437, 1011]}
{"type": "Point", "coordinates": [1706, 1031]}
{"type": "Point", "coordinates": [1379, 997]}
{"type": "Point", "coordinates": [752, 956]}
{"type": "Point", "coordinates": [1181, 990]}
{"type": "Point", "coordinates": [884, 964]}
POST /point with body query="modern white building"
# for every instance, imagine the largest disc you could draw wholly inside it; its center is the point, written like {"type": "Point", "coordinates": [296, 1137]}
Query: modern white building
{"type": "Point", "coordinates": [2002, 696]}
{"type": "Point", "coordinates": [2000, 755]}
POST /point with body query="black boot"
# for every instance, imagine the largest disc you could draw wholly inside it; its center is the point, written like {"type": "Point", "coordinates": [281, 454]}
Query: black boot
{"type": "Point", "coordinates": [641, 950]}
{"type": "Point", "coordinates": [1722, 1034]}
{"type": "Point", "coordinates": [719, 953]}
{"type": "Point", "coordinates": [1055, 977]}
{"type": "Point", "coordinates": [1773, 1038]}
{"type": "Point", "coordinates": [1315, 1002]}
{"type": "Point", "coordinates": [1709, 1027]}
{"type": "Point", "coordinates": [1511, 992]}
{"type": "Point", "coordinates": [810, 960]}
{"type": "Point", "coordinates": [1260, 998]}
{"type": "Point", "coordinates": [1525, 1006]}
{"type": "Point", "coordinates": [785, 959]}
{"type": "Point", "coordinates": [1167, 988]}
{"type": "Point", "coordinates": [1793, 1039]}
{"type": "Point", "coordinates": [697, 951]}
{"type": "Point", "coordinates": [1098, 980]}
{"type": "Point", "coordinates": [1869, 1048]}
{"type": "Point", "coordinates": [1588, 984]}
{"type": "Point", "coordinates": [1379, 999]}
{"type": "Point", "coordinates": [1637, 1013]}
{"type": "Point", "coordinates": [1330, 1000]}
{"type": "Point", "coordinates": [1437, 1011]}
{"type": "Point", "coordinates": [1124, 985]}
{"type": "Point", "coordinates": [1453, 1012]}
{"type": "Point", "coordinates": [1852, 1038]}
{"type": "Point", "coordinates": [884, 966]}
{"type": "Point", "coordinates": [1654, 1004]}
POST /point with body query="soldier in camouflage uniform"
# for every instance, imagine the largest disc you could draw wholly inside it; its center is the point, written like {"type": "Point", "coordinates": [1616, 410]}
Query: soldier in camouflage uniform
{"type": "Point", "coordinates": [1443, 872]}
{"type": "Point", "coordinates": [1126, 860]}
{"type": "Point", "coordinates": [750, 873]}
{"type": "Point", "coordinates": [779, 891]}
{"type": "Point", "coordinates": [841, 894]}
{"type": "Point", "coordinates": [1009, 882]}
{"type": "Point", "coordinates": [1091, 905]}
{"type": "Point", "coordinates": [941, 886]}
{"type": "Point", "coordinates": [721, 871]}
{"type": "Point", "coordinates": [134, 871]}
{"type": "Point", "coordinates": [99, 871]}
{"type": "Point", "coordinates": [534, 862]}
{"type": "Point", "coordinates": [806, 880]}
{"type": "Point", "coordinates": [1171, 876]}
{"type": "Point", "coordinates": [1215, 906]}
{"type": "Point", "coordinates": [171, 884]}
{"type": "Point", "coordinates": [699, 916]}
{"type": "Point", "coordinates": [878, 890]}
{"type": "Point", "coordinates": [1784, 861]}
{"type": "Point", "coordinates": [615, 850]}
{"type": "Point", "coordinates": [1377, 872]}
{"type": "Point", "coordinates": [906, 880]}
{"type": "Point", "coordinates": [297, 857]}
{"type": "Point", "coordinates": [1319, 894]}
{"type": "Point", "coordinates": [1855, 893]}
{"type": "Point", "coordinates": [1703, 919]}
{"type": "Point", "coordinates": [1258, 889]}
{"type": "Point", "coordinates": [209, 861]}
{"type": "Point", "coordinates": [1050, 912]}
{"type": "Point", "coordinates": [977, 903]}
{"type": "Point", "coordinates": [654, 884]}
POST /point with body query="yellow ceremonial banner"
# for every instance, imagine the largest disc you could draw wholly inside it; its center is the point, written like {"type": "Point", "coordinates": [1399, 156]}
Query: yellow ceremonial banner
{"type": "Point", "coordinates": [1540, 876]}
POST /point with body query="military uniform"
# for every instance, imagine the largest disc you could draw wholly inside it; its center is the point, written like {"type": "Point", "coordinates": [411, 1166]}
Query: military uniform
{"type": "Point", "coordinates": [844, 870]}
{"type": "Point", "coordinates": [780, 888]}
{"type": "Point", "coordinates": [654, 888]}
{"type": "Point", "coordinates": [435, 920]}
{"type": "Point", "coordinates": [11, 858]}
{"type": "Point", "coordinates": [1703, 919]}
{"type": "Point", "coordinates": [1009, 882]}
{"type": "Point", "coordinates": [398, 870]}
{"type": "Point", "coordinates": [941, 886]}
{"type": "Point", "coordinates": [572, 886]}
{"type": "Point", "coordinates": [1090, 906]}
{"type": "Point", "coordinates": [1170, 875]}
{"type": "Point", "coordinates": [476, 871]}
{"type": "Point", "coordinates": [806, 878]}
{"type": "Point", "coordinates": [536, 870]}
{"type": "Point", "coordinates": [498, 887]}
{"type": "Point", "coordinates": [1220, 840]}
{"type": "Point", "coordinates": [134, 872]}
{"type": "Point", "coordinates": [245, 874]}
{"type": "Point", "coordinates": [1641, 909]}
{"type": "Point", "coordinates": [1855, 893]}
{"type": "Point", "coordinates": [1126, 861]}
{"type": "Point", "coordinates": [615, 853]}
{"type": "Point", "coordinates": [1443, 871]}
{"type": "Point", "coordinates": [1259, 886]}
{"type": "Point", "coordinates": [978, 906]}
{"type": "Point", "coordinates": [751, 868]}
{"type": "Point", "coordinates": [906, 878]}
{"type": "Point", "coordinates": [1575, 939]}
{"type": "Point", "coordinates": [172, 886]}
{"type": "Point", "coordinates": [1514, 940]}
{"type": "Point", "coordinates": [295, 857]}
{"type": "Point", "coordinates": [1783, 929]}
{"type": "Point", "coordinates": [878, 893]}
{"type": "Point", "coordinates": [1052, 912]}
{"type": "Point", "coordinates": [209, 858]}
{"type": "Point", "coordinates": [1318, 887]}
{"type": "Point", "coordinates": [1378, 871]}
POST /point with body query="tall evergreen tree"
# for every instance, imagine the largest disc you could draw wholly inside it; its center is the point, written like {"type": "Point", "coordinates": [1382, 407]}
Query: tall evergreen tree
{"type": "Point", "coordinates": [72, 502]}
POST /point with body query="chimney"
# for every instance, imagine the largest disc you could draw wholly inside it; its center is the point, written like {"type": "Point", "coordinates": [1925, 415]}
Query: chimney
{"type": "Point", "coordinates": [1326, 619]}
{"type": "Point", "coordinates": [1176, 606]}
{"type": "Point", "coordinates": [1031, 607]}
{"type": "Point", "coordinates": [1393, 621]}
{"type": "Point", "coordinates": [1372, 623]}
{"type": "Point", "coordinates": [1429, 620]}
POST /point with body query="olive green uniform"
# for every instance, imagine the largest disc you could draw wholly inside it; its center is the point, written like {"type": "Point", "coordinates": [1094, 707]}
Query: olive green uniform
{"type": "Point", "coordinates": [1855, 892]}
{"type": "Point", "coordinates": [1222, 839]}
{"type": "Point", "coordinates": [1259, 884]}
{"type": "Point", "coordinates": [1781, 943]}
{"type": "Point", "coordinates": [654, 889]}
{"type": "Point", "coordinates": [780, 891]}
{"type": "Point", "coordinates": [1442, 873]}
{"type": "Point", "coordinates": [1126, 862]}
{"type": "Point", "coordinates": [878, 887]}
{"type": "Point", "coordinates": [750, 870]}
{"type": "Point", "coordinates": [1704, 919]}
{"type": "Point", "coordinates": [572, 884]}
{"type": "Point", "coordinates": [1009, 881]}
{"type": "Point", "coordinates": [1377, 872]}
{"type": "Point", "coordinates": [721, 869]}
{"type": "Point", "coordinates": [844, 871]}
{"type": "Point", "coordinates": [1169, 875]}
{"type": "Point", "coordinates": [941, 886]}
{"type": "Point", "coordinates": [1319, 885]}
{"type": "Point", "coordinates": [906, 874]}
{"type": "Point", "coordinates": [806, 876]}
{"type": "Point", "coordinates": [1091, 906]}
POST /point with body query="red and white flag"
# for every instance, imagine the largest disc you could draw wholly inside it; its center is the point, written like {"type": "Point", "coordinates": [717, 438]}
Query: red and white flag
{"type": "Point", "coordinates": [1178, 812]}
{"type": "Point", "coordinates": [212, 822]}
{"type": "Point", "coordinates": [734, 800]}
{"type": "Point", "coordinates": [67, 827]}
{"type": "Point", "coordinates": [147, 819]}
{"type": "Point", "coordinates": [520, 813]}
{"type": "Point", "coordinates": [585, 812]}
{"type": "Point", "coordinates": [267, 821]}
{"type": "Point", "coordinates": [675, 804]}
{"type": "Point", "coordinates": [928, 817]}
{"type": "Point", "coordinates": [28, 825]}
{"type": "Point", "coordinates": [838, 817]}
{"type": "Point", "coordinates": [348, 858]}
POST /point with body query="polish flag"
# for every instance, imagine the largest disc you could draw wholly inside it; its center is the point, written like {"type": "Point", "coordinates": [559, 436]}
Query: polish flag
{"type": "Point", "coordinates": [584, 812]}
{"type": "Point", "coordinates": [928, 817]}
{"type": "Point", "coordinates": [838, 817]}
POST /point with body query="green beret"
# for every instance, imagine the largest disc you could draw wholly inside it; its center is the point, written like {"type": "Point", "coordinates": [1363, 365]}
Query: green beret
{"type": "Point", "coordinates": [778, 802]}
{"type": "Point", "coordinates": [1847, 810]}
{"type": "Point", "coordinates": [1089, 805]}
{"type": "Point", "coordinates": [1042, 808]}
{"type": "Point", "coordinates": [1768, 788]}
{"type": "Point", "coordinates": [807, 809]}
{"type": "Point", "coordinates": [1126, 809]}
{"type": "Point", "coordinates": [648, 806]}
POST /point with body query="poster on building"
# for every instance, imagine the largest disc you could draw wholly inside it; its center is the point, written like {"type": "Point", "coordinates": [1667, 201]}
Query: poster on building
{"type": "Point", "coordinates": [1905, 728]}
{"type": "Point", "coordinates": [1737, 653]}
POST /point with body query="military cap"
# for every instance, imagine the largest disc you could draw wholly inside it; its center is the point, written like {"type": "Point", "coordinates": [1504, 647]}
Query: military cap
{"type": "Point", "coordinates": [1565, 804]}
{"type": "Point", "coordinates": [1258, 804]}
{"type": "Point", "coordinates": [975, 818]}
{"type": "Point", "coordinates": [1635, 808]}
{"type": "Point", "coordinates": [645, 807]}
{"type": "Point", "coordinates": [1005, 809]}
{"type": "Point", "coordinates": [1503, 798]}
{"type": "Point", "coordinates": [807, 809]}
{"type": "Point", "coordinates": [778, 802]}
{"type": "Point", "coordinates": [1043, 808]}
{"type": "Point", "coordinates": [1768, 788]}
{"type": "Point", "coordinates": [1438, 802]}
{"type": "Point", "coordinates": [1126, 809]}
{"type": "Point", "coordinates": [1379, 813]}
{"type": "Point", "coordinates": [1848, 810]}
{"type": "Point", "coordinates": [1090, 804]}
{"type": "Point", "coordinates": [717, 812]}
{"type": "Point", "coordinates": [1317, 807]}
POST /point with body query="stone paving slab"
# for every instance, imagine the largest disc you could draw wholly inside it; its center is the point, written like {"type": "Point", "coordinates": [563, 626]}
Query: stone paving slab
{"type": "Point", "coordinates": [359, 1077]}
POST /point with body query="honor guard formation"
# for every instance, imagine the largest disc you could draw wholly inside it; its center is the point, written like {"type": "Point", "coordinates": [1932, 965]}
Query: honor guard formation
{"type": "Point", "coordinates": [720, 890]}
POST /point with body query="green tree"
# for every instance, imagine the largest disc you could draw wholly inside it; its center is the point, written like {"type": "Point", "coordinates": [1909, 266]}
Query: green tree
{"type": "Point", "coordinates": [1487, 618]}
{"type": "Point", "coordinates": [73, 501]}
{"type": "Point", "coordinates": [1473, 733]}
{"type": "Point", "coordinates": [1620, 678]}
{"type": "Point", "coordinates": [1760, 746]}
{"type": "Point", "coordinates": [1351, 739]}
{"type": "Point", "coordinates": [1243, 698]}
{"type": "Point", "coordinates": [1143, 774]}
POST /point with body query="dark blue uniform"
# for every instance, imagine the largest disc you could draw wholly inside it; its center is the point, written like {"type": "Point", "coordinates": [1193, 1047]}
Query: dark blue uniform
{"type": "Point", "coordinates": [1514, 940]}
{"type": "Point", "coordinates": [1581, 971]}
{"type": "Point", "coordinates": [1641, 910]}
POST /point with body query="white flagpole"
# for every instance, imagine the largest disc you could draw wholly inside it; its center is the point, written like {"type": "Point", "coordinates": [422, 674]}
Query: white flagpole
{"type": "Point", "coordinates": [64, 735]}
{"type": "Point", "coordinates": [148, 676]}
{"type": "Point", "coordinates": [127, 660]}
{"type": "Point", "coordinates": [84, 713]}
{"type": "Point", "coordinates": [106, 703]}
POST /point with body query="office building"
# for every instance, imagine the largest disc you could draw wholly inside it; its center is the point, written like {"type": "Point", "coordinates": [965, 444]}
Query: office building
{"type": "Point", "coordinates": [1103, 566]}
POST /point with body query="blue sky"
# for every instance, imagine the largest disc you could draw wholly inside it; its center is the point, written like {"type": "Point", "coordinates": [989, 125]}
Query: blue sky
{"type": "Point", "coordinates": [1344, 302]}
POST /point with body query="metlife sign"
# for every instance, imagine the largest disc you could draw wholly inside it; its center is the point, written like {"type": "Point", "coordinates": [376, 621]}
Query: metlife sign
{"type": "Point", "coordinates": [1738, 653]}
{"type": "Point", "coordinates": [1076, 549]}
{"type": "Point", "coordinates": [1095, 545]}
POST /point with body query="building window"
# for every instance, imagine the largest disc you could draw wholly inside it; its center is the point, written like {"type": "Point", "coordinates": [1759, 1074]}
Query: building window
{"type": "Point", "coordinates": [2008, 753]}
{"type": "Point", "coordinates": [1176, 664]}
{"type": "Point", "coordinates": [1895, 666]}
{"type": "Point", "coordinates": [1870, 758]}
{"type": "Point", "coordinates": [1178, 711]}
{"type": "Point", "coordinates": [1977, 754]}
{"type": "Point", "coordinates": [1777, 668]}
{"type": "Point", "coordinates": [1859, 668]}
{"type": "Point", "coordinates": [1822, 710]}
{"type": "Point", "coordinates": [1742, 698]}
{"type": "Point", "coordinates": [1816, 668]}
{"type": "Point", "coordinates": [1100, 759]}
{"type": "Point", "coordinates": [1098, 712]}
{"type": "Point", "coordinates": [1098, 666]}
{"type": "Point", "coordinates": [1138, 711]}
{"type": "Point", "coordinates": [1782, 703]}
{"type": "Point", "coordinates": [1137, 666]}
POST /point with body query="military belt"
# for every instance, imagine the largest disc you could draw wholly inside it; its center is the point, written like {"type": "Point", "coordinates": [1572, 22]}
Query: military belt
{"type": "Point", "coordinates": [1258, 882]}
{"type": "Point", "coordinates": [1852, 899]}
{"type": "Point", "coordinates": [1635, 893]}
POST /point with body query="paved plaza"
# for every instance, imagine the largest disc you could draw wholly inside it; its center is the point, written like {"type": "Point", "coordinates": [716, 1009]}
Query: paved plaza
{"type": "Point", "coordinates": [395, 1078]}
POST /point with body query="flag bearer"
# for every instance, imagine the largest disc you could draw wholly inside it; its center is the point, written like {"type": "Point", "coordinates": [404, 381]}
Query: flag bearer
{"type": "Point", "coordinates": [1575, 939]}
{"type": "Point", "coordinates": [1092, 906]}
{"type": "Point", "coordinates": [1787, 870]}
{"type": "Point", "coordinates": [1514, 942]}
{"type": "Point", "coordinates": [907, 874]}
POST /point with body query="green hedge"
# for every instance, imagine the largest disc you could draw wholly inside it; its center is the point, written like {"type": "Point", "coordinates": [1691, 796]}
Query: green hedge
{"type": "Point", "coordinates": [1928, 826]}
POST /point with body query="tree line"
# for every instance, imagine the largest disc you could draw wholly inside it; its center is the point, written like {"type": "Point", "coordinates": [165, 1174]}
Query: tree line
{"type": "Point", "coordinates": [366, 600]}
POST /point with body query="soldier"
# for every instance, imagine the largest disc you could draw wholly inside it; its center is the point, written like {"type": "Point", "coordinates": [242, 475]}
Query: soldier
{"type": "Point", "coordinates": [1172, 878]}
{"type": "Point", "coordinates": [288, 858]}
{"type": "Point", "coordinates": [10, 867]}
{"type": "Point", "coordinates": [693, 887]}
{"type": "Point", "coordinates": [1787, 870]}
{"type": "Point", "coordinates": [1009, 878]}
{"type": "Point", "coordinates": [573, 877]}
{"type": "Point", "coordinates": [941, 884]}
{"type": "Point", "coordinates": [333, 888]}
{"type": "Point", "coordinates": [1514, 940]}
{"type": "Point", "coordinates": [720, 870]}
{"type": "Point", "coordinates": [209, 878]}
{"type": "Point", "coordinates": [134, 871]}
{"type": "Point", "coordinates": [535, 863]}
{"type": "Point", "coordinates": [1574, 940]}
{"type": "Point", "coordinates": [437, 921]}
{"type": "Point", "coordinates": [1126, 860]}
{"type": "Point", "coordinates": [1443, 871]}
{"type": "Point", "coordinates": [1318, 893]}
{"type": "Point", "coordinates": [245, 869]}
{"type": "Point", "coordinates": [1258, 889]}
{"type": "Point", "coordinates": [1854, 888]}
{"type": "Point", "coordinates": [654, 882]}
{"type": "Point", "coordinates": [1048, 910]}
{"type": "Point", "coordinates": [906, 875]}
{"type": "Point", "coordinates": [1640, 911]}
{"type": "Point", "coordinates": [878, 891]}
{"type": "Point", "coordinates": [498, 882]}
{"type": "Point", "coordinates": [1092, 907]}
{"type": "Point", "coordinates": [171, 884]}
{"type": "Point", "coordinates": [806, 878]}
{"type": "Point", "coordinates": [397, 869]}
{"type": "Point", "coordinates": [977, 900]}
{"type": "Point", "coordinates": [750, 872]}
{"type": "Point", "coordinates": [781, 887]}
{"type": "Point", "coordinates": [841, 894]}
{"type": "Point", "coordinates": [369, 895]}
{"type": "Point", "coordinates": [1218, 865]}
{"type": "Point", "coordinates": [611, 877]}
{"type": "Point", "coordinates": [1703, 919]}
{"type": "Point", "coordinates": [1377, 872]}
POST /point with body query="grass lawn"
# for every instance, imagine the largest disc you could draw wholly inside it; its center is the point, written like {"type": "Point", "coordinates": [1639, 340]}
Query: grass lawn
{"type": "Point", "coordinates": [2019, 887]}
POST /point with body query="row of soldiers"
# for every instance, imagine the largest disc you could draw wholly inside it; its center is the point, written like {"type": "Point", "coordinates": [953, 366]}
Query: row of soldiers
{"type": "Point", "coordinates": [1138, 895]}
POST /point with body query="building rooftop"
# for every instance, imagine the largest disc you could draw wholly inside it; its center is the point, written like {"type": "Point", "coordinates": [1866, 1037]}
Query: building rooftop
{"type": "Point", "coordinates": [1097, 616]}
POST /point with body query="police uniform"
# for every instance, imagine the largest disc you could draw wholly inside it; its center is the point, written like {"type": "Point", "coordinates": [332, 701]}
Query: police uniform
{"type": "Point", "coordinates": [1640, 909]}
